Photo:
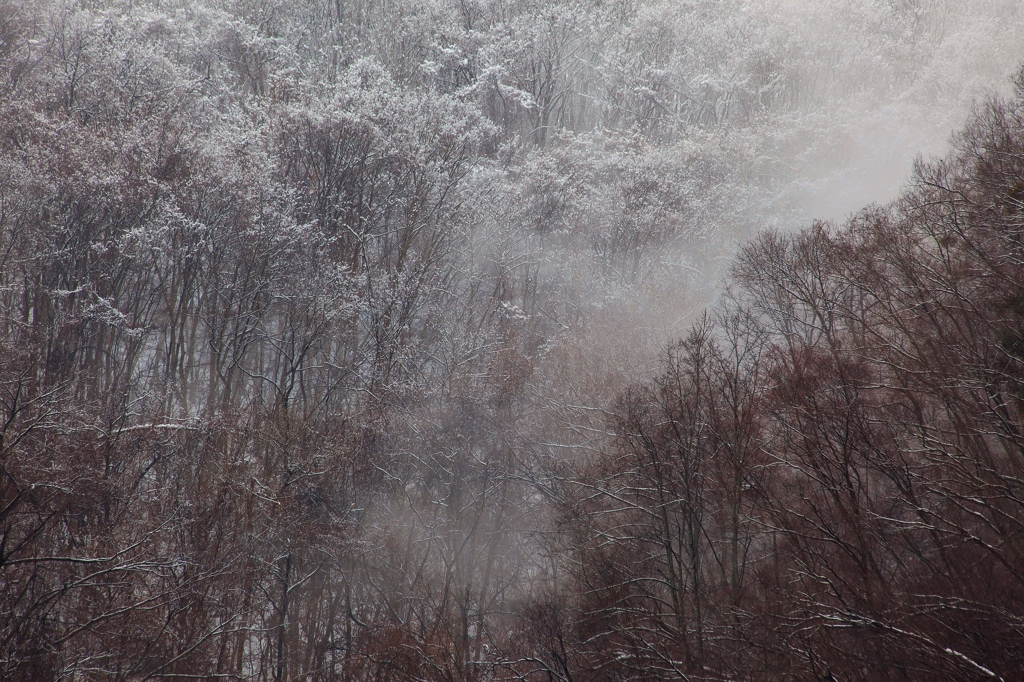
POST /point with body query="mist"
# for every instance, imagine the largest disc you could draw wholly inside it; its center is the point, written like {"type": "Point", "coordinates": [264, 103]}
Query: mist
{"type": "Point", "coordinates": [462, 340]}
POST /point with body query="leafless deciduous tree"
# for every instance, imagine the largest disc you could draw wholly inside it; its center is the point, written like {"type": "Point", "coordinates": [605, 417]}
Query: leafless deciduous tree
{"type": "Point", "coordinates": [318, 322]}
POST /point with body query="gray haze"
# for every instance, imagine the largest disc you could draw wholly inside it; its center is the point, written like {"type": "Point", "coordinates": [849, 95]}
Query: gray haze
{"type": "Point", "coordinates": [314, 314]}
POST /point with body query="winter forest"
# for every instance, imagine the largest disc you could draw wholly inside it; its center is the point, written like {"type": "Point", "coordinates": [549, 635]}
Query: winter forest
{"type": "Point", "coordinates": [494, 340]}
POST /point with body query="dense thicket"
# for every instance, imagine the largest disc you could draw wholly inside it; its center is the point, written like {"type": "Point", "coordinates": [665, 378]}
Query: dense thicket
{"type": "Point", "coordinates": [825, 482]}
{"type": "Point", "coordinates": [314, 315]}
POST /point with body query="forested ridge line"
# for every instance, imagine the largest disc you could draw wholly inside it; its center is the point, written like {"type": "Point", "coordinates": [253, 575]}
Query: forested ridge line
{"type": "Point", "coordinates": [825, 481]}
{"type": "Point", "coordinates": [326, 338]}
